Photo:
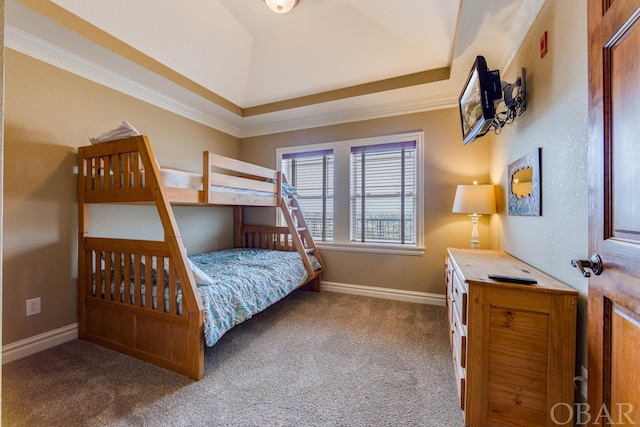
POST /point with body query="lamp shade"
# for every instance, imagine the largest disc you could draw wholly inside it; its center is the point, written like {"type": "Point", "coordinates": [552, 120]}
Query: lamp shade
{"type": "Point", "coordinates": [281, 6]}
{"type": "Point", "coordinates": [475, 199]}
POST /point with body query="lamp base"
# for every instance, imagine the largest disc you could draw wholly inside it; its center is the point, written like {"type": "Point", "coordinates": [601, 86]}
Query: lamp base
{"type": "Point", "coordinates": [475, 236]}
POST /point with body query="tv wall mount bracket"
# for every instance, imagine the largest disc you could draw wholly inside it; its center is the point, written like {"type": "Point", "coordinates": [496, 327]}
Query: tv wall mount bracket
{"type": "Point", "coordinates": [514, 98]}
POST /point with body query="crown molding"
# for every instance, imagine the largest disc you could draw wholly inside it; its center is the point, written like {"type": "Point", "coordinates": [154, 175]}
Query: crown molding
{"type": "Point", "coordinates": [399, 82]}
{"type": "Point", "coordinates": [438, 102]}
{"type": "Point", "coordinates": [49, 53]}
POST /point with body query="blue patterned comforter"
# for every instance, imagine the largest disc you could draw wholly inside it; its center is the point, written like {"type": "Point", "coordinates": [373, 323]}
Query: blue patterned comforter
{"type": "Point", "coordinates": [246, 281]}
{"type": "Point", "coordinates": [242, 282]}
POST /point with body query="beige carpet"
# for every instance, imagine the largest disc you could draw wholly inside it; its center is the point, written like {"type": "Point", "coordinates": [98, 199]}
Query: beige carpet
{"type": "Point", "coordinates": [312, 359]}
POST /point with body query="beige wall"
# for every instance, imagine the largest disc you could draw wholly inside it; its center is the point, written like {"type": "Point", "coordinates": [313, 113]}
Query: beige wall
{"type": "Point", "coordinates": [447, 163]}
{"type": "Point", "coordinates": [556, 121]}
{"type": "Point", "coordinates": [50, 112]}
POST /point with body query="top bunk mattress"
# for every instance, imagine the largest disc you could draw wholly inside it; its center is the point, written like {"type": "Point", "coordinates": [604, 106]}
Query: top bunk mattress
{"type": "Point", "coordinates": [178, 178]}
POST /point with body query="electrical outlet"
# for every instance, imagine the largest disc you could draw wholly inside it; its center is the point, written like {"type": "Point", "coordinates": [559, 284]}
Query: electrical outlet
{"type": "Point", "coordinates": [583, 384]}
{"type": "Point", "coordinates": [33, 306]}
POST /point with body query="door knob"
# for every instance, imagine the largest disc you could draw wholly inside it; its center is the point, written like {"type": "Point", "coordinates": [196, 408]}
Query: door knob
{"type": "Point", "coordinates": [594, 264]}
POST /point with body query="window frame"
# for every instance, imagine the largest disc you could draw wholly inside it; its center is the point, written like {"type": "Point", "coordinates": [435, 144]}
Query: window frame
{"type": "Point", "coordinates": [342, 193]}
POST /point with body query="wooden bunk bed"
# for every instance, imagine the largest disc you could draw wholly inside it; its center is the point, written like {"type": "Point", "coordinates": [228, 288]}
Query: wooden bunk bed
{"type": "Point", "coordinates": [165, 326]}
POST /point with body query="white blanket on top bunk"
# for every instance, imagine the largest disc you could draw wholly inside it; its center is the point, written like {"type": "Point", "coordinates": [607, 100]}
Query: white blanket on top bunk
{"type": "Point", "coordinates": [125, 130]}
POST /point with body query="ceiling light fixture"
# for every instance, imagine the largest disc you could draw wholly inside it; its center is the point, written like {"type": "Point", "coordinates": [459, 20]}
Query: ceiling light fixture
{"type": "Point", "coordinates": [281, 6]}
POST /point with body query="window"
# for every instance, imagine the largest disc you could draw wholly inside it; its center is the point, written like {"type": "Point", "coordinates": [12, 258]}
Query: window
{"type": "Point", "coordinates": [311, 173]}
{"type": "Point", "coordinates": [383, 193]}
{"type": "Point", "coordinates": [361, 195]}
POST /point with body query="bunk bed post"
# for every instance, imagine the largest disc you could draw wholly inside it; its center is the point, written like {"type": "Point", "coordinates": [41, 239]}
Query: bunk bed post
{"type": "Point", "coordinates": [206, 175]}
{"type": "Point", "coordinates": [83, 231]}
{"type": "Point", "coordinates": [279, 179]}
{"type": "Point", "coordinates": [239, 240]}
{"type": "Point", "coordinates": [316, 283]}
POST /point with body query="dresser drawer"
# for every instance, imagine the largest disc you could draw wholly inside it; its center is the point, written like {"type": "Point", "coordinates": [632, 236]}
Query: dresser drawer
{"type": "Point", "coordinates": [461, 379]}
{"type": "Point", "coordinates": [448, 294]}
{"type": "Point", "coordinates": [459, 341]}
{"type": "Point", "coordinates": [460, 297]}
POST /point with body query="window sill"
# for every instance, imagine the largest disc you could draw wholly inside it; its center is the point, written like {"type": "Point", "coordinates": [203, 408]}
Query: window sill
{"type": "Point", "coordinates": [377, 248]}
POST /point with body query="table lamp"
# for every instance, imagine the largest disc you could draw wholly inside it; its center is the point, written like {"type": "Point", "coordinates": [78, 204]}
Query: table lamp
{"type": "Point", "coordinates": [475, 200]}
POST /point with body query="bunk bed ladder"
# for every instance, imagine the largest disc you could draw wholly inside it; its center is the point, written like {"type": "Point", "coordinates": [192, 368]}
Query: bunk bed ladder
{"type": "Point", "coordinates": [301, 226]}
{"type": "Point", "coordinates": [302, 236]}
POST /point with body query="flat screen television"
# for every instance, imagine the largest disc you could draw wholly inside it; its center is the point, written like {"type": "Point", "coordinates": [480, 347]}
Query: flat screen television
{"type": "Point", "coordinates": [477, 106]}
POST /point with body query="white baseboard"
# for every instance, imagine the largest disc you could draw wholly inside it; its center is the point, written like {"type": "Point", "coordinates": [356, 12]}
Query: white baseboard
{"type": "Point", "coordinates": [386, 293]}
{"type": "Point", "coordinates": [28, 346]}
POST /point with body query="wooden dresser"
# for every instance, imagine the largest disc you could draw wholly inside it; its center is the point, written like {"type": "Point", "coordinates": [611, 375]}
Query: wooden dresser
{"type": "Point", "coordinates": [513, 345]}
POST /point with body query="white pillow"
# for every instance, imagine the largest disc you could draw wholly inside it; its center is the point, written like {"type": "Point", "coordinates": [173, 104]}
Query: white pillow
{"type": "Point", "coordinates": [200, 276]}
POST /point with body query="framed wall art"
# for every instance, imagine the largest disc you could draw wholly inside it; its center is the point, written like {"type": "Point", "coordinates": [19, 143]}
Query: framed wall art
{"type": "Point", "coordinates": [524, 196]}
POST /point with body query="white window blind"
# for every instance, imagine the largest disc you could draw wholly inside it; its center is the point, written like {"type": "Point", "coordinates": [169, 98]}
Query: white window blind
{"type": "Point", "coordinates": [362, 195]}
{"type": "Point", "coordinates": [311, 173]}
{"type": "Point", "coordinates": [383, 193]}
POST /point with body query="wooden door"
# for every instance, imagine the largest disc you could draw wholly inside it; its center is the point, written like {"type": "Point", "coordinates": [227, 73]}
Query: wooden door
{"type": "Point", "coordinates": [614, 165]}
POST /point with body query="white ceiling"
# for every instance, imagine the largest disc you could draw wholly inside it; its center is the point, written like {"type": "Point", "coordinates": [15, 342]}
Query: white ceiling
{"type": "Point", "coordinates": [188, 54]}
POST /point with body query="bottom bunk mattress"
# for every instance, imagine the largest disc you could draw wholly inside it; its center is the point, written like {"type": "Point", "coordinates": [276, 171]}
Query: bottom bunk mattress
{"type": "Point", "coordinates": [243, 283]}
